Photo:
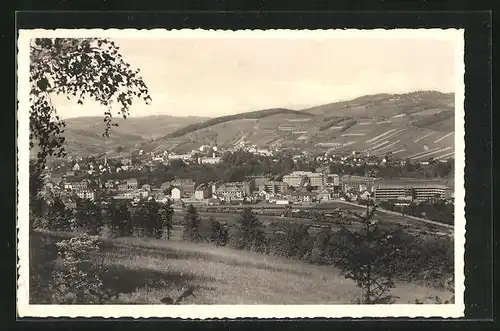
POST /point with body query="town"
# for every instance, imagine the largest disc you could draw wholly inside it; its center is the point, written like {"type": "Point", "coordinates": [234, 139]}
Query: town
{"type": "Point", "coordinates": [309, 183]}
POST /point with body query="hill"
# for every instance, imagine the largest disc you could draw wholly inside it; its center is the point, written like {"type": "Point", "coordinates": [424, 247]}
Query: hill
{"type": "Point", "coordinates": [417, 125]}
{"type": "Point", "coordinates": [223, 119]}
{"type": "Point", "coordinates": [84, 134]}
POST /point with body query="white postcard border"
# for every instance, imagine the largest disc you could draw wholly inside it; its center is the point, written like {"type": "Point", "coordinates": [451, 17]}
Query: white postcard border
{"type": "Point", "coordinates": [25, 309]}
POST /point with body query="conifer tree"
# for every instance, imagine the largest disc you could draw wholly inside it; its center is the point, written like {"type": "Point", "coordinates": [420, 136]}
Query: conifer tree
{"type": "Point", "coordinates": [166, 214]}
{"type": "Point", "coordinates": [191, 225]}
{"type": "Point", "coordinates": [367, 256]}
{"type": "Point", "coordinates": [249, 234]}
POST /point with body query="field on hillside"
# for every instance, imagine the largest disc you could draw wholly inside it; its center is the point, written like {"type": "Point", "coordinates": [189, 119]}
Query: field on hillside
{"type": "Point", "coordinates": [145, 270]}
{"type": "Point", "coordinates": [416, 125]}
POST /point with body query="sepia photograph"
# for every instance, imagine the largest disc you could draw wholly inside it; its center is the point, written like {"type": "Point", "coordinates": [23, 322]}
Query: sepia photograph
{"type": "Point", "coordinates": [250, 173]}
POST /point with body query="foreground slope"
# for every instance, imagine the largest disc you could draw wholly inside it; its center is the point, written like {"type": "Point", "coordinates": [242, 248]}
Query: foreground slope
{"type": "Point", "coordinates": [144, 271]}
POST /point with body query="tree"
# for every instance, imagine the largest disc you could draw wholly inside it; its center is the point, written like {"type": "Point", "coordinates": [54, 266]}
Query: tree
{"type": "Point", "coordinates": [219, 233]}
{"type": "Point", "coordinates": [120, 220]}
{"type": "Point", "coordinates": [148, 218]}
{"type": "Point", "coordinates": [191, 225]}
{"type": "Point", "coordinates": [58, 216]}
{"type": "Point", "coordinates": [166, 214]}
{"type": "Point", "coordinates": [89, 216]}
{"type": "Point", "coordinates": [297, 242]}
{"type": "Point", "coordinates": [80, 68]}
{"type": "Point", "coordinates": [249, 233]}
{"type": "Point", "coordinates": [367, 256]}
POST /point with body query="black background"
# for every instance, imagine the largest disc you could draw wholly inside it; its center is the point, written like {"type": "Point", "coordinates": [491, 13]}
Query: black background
{"type": "Point", "coordinates": [211, 15]}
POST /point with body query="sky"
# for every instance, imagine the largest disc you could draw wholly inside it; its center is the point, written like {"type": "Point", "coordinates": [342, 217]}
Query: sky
{"type": "Point", "coordinates": [209, 77]}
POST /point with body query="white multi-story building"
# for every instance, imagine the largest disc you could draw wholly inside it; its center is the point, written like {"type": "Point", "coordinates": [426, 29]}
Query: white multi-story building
{"type": "Point", "coordinates": [419, 192]}
{"type": "Point", "coordinates": [298, 178]}
{"type": "Point", "coordinates": [176, 193]}
{"type": "Point", "coordinates": [86, 194]}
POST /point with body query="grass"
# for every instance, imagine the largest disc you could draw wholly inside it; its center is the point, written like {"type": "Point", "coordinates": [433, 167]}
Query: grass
{"type": "Point", "coordinates": [145, 270]}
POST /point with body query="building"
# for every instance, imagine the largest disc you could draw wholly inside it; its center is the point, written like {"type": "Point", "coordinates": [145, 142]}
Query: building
{"type": "Point", "coordinates": [56, 179]}
{"type": "Point", "coordinates": [176, 193]}
{"type": "Point", "coordinates": [358, 183]}
{"type": "Point", "coordinates": [325, 195]}
{"type": "Point", "coordinates": [415, 192]}
{"type": "Point", "coordinates": [187, 186]}
{"type": "Point", "coordinates": [122, 186]}
{"type": "Point", "coordinates": [146, 187]}
{"type": "Point", "coordinates": [274, 187]}
{"type": "Point", "coordinates": [210, 160]}
{"type": "Point", "coordinates": [126, 161]}
{"type": "Point", "coordinates": [305, 178]}
{"type": "Point", "coordinates": [86, 194]}
{"type": "Point", "coordinates": [333, 179]}
{"type": "Point", "coordinates": [132, 183]}
{"type": "Point", "coordinates": [203, 192]}
{"type": "Point", "coordinates": [184, 157]}
{"type": "Point", "coordinates": [82, 185]}
{"type": "Point", "coordinates": [304, 197]}
{"type": "Point", "coordinates": [230, 191]}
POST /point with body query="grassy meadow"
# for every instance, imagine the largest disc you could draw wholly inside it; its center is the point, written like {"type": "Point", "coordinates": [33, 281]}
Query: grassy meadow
{"type": "Point", "coordinates": [143, 271]}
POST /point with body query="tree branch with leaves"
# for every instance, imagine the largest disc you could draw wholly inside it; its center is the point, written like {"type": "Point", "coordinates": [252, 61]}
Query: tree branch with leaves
{"type": "Point", "coordinates": [81, 68]}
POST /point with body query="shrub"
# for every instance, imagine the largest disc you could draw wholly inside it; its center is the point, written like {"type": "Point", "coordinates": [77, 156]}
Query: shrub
{"type": "Point", "coordinates": [77, 278]}
{"type": "Point", "coordinates": [219, 233]}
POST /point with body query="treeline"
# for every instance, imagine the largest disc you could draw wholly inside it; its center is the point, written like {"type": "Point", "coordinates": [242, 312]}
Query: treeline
{"type": "Point", "coordinates": [437, 210]}
{"type": "Point", "coordinates": [147, 219]}
{"type": "Point", "coordinates": [222, 119]}
{"type": "Point", "coordinates": [235, 167]}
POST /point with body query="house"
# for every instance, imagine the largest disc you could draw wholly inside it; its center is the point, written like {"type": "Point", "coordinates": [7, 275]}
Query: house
{"type": "Point", "coordinates": [122, 186]}
{"type": "Point", "coordinates": [187, 186]}
{"type": "Point", "coordinates": [126, 161]}
{"type": "Point", "coordinates": [132, 183]}
{"type": "Point", "coordinates": [303, 196]}
{"type": "Point", "coordinates": [109, 184]}
{"type": "Point", "coordinates": [76, 167]}
{"type": "Point", "coordinates": [56, 179]}
{"type": "Point", "coordinates": [162, 198]}
{"type": "Point", "coordinates": [203, 192]}
{"type": "Point", "coordinates": [265, 195]}
{"type": "Point", "coordinates": [176, 193]}
{"type": "Point", "coordinates": [81, 185]}
{"type": "Point", "coordinates": [146, 187]}
{"type": "Point", "coordinates": [365, 195]}
{"type": "Point", "coordinates": [229, 192]}
{"type": "Point", "coordinates": [86, 194]}
{"type": "Point", "coordinates": [274, 187]}
{"type": "Point", "coordinates": [210, 160]}
{"type": "Point", "coordinates": [325, 195]}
